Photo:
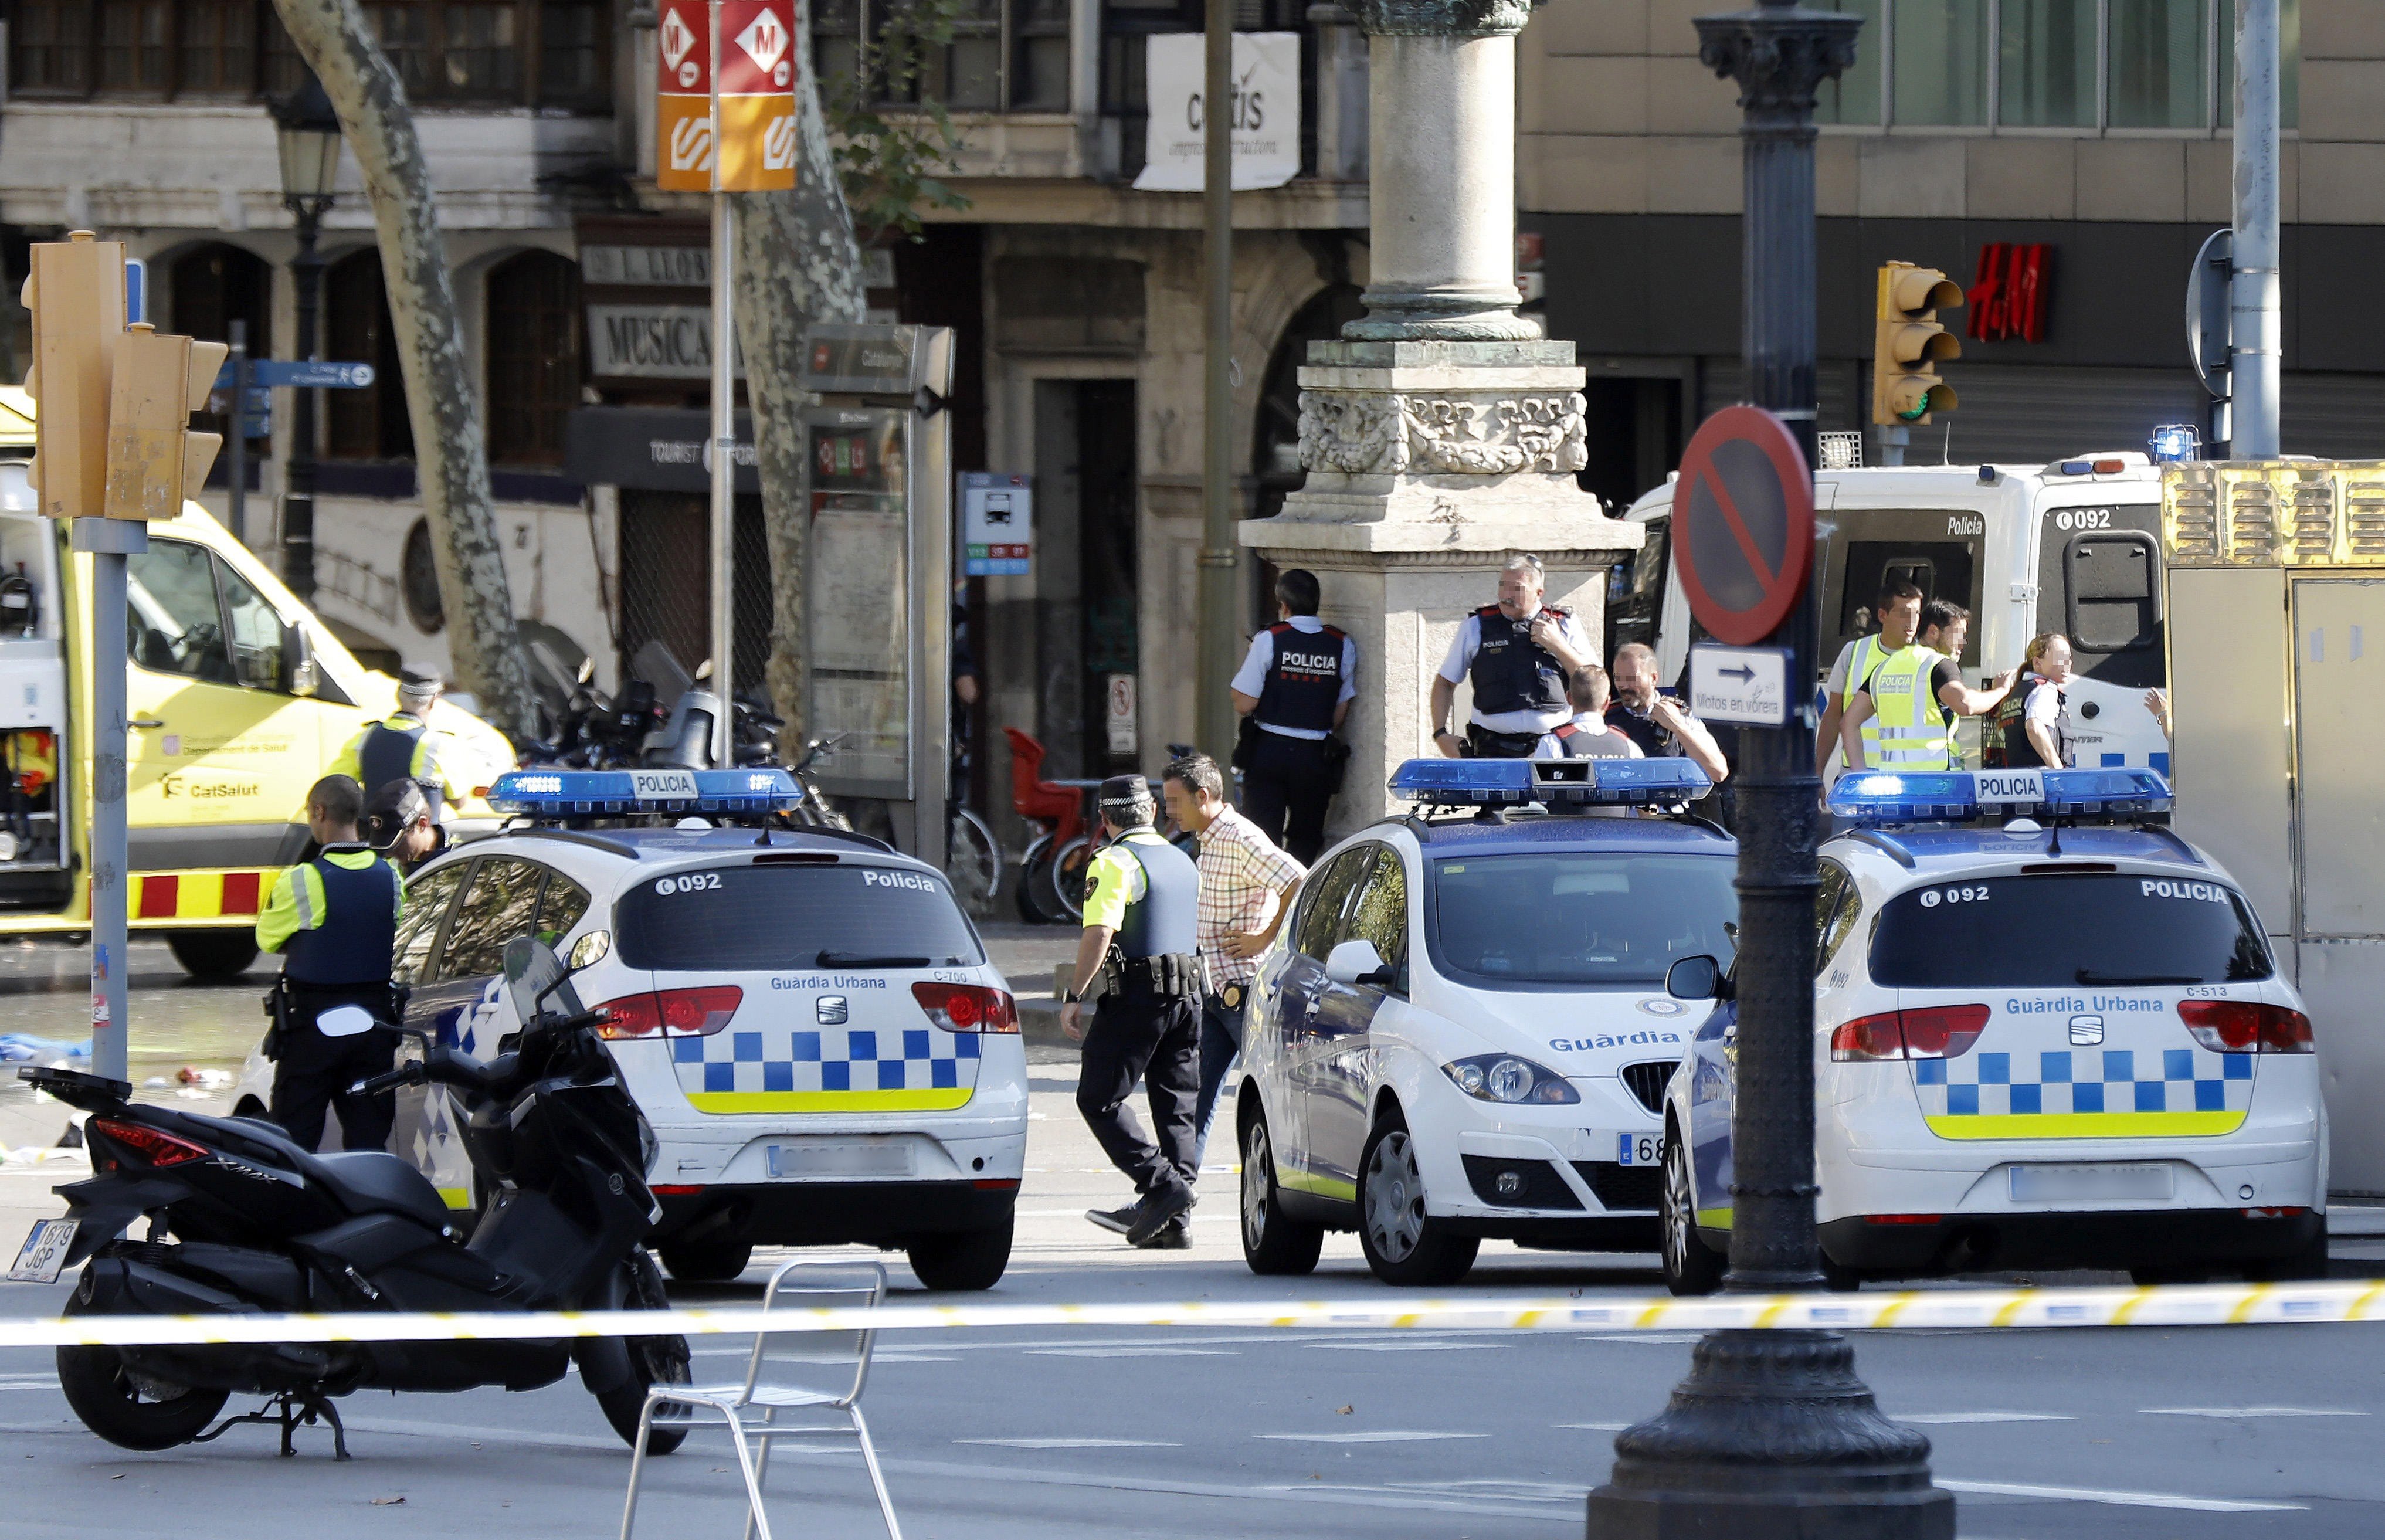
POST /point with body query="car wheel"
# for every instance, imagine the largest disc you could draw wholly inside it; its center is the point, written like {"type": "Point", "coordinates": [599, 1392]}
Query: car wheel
{"type": "Point", "coordinates": [2168, 1273]}
{"type": "Point", "coordinates": [1691, 1266]}
{"type": "Point", "coordinates": [1837, 1278]}
{"type": "Point", "coordinates": [1404, 1245]}
{"type": "Point", "coordinates": [2302, 1267]}
{"type": "Point", "coordinates": [1273, 1245]}
{"type": "Point", "coordinates": [706, 1261]}
{"type": "Point", "coordinates": [214, 956]}
{"type": "Point", "coordinates": [962, 1263]}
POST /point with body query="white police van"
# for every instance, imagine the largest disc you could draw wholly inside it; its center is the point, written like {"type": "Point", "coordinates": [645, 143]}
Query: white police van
{"type": "Point", "coordinates": [2048, 1033]}
{"type": "Point", "coordinates": [1462, 1031]}
{"type": "Point", "coordinates": [806, 1017]}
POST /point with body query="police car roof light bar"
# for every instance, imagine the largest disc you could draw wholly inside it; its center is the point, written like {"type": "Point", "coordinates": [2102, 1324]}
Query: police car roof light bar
{"type": "Point", "coordinates": [1958, 797]}
{"type": "Point", "coordinates": [563, 795]}
{"type": "Point", "coordinates": [1553, 782]}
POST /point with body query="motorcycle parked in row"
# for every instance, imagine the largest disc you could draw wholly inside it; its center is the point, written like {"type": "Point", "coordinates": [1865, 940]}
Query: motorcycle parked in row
{"type": "Point", "coordinates": [240, 1220]}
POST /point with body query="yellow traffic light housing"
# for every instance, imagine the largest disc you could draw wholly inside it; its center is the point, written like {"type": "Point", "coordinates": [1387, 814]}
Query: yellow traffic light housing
{"type": "Point", "coordinates": [76, 292]}
{"type": "Point", "coordinates": [1909, 346]}
{"type": "Point", "coordinates": [154, 460]}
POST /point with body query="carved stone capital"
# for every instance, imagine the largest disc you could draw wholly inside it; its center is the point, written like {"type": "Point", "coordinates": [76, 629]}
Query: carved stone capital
{"type": "Point", "coordinates": [1779, 55]}
{"type": "Point", "coordinates": [1490, 433]}
{"type": "Point", "coordinates": [1442, 18]}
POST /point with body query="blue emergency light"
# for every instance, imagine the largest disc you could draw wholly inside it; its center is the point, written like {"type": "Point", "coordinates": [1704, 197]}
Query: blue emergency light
{"type": "Point", "coordinates": [1957, 796]}
{"type": "Point", "coordinates": [548, 794]}
{"type": "Point", "coordinates": [1516, 782]}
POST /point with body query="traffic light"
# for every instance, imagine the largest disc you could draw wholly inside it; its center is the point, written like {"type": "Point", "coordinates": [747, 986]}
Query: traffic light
{"type": "Point", "coordinates": [1910, 345]}
{"type": "Point", "coordinates": [76, 292]}
{"type": "Point", "coordinates": [154, 458]}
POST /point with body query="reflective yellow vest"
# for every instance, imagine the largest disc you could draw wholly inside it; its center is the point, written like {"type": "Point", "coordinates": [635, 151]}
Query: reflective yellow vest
{"type": "Point", "coordinates": [1913, 731]}
{"type": "Point", "coordinates": [1867, 656]}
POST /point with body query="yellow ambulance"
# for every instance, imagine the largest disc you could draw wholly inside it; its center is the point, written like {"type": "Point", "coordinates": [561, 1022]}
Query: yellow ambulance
{"type": "Point", "coordinates": [238, 698]}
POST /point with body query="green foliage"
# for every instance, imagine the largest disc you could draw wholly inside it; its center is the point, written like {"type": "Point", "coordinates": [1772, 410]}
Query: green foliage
{"type": "Point", "coordinates": [894, 135]}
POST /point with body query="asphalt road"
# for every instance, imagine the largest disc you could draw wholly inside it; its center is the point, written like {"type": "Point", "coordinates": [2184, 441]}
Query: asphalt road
{"type": "Point", "coordinates": [1041, 1434]}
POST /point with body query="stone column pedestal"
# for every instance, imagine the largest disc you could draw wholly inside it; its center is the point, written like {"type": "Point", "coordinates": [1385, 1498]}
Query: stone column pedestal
{"type": "Point", "coordinates": [1430, 464]}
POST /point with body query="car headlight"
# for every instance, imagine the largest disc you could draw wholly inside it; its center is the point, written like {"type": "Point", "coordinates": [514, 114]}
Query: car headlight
{"type": "Point", "coordinates": [1505, 1078]}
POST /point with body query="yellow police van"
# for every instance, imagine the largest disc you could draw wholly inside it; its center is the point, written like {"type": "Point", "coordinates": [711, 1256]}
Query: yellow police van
{"type": "Point", "coordinates": [238, 698]}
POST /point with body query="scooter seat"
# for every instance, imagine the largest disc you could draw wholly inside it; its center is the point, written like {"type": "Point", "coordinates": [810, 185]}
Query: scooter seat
{"type": "Point", "coordinates": [372, 1182]}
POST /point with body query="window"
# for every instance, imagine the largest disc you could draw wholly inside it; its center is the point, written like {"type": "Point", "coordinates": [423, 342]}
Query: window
{"type": "Point", "coordinates": [1578, 918]}
{"type": "Point", "coordinates": [533, 356]}
{"type": "Point", "coordinates": [255, 627]}
{"type": "Point", "coordinates": [1006, 55]}
{"type": "Point", "coordinates": [368, 424]}
{"type": "Point", "coordinates": [2099, 583]}
{"type": "Point", "coordinates": [425, 904]}
{"type": "Point", "coordinates": [2090, 64]}
{"type": "Point", "coordinates": [1322, 900]}
{"type": "Point", "coordinates": [754, 918]}
{"type": "Point", "coordinates": [174, 625]}
{"type": "Point", "coordinates": [217, 46]}
{"type": "Point", "coordinates": [1379, 913]}
{"type": "Point", "coordinates": [2062, 931]}
{"type": "Point", "coordinates": [1836, 904]}
{"type": "Point", "coordinates": [560, 907]}
{"type": "Point", "coordinates": [498, 906]}
{"type": "Point", "coordinates": [134, 45]}
{"type": "Point", "coordinates": [50, 46]}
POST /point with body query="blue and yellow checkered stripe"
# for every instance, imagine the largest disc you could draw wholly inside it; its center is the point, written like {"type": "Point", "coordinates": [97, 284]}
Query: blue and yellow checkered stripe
{"type": "Point", "coordinates": [2085, 1093]}
{"type": "Point", "coordinates": [829, 1069]}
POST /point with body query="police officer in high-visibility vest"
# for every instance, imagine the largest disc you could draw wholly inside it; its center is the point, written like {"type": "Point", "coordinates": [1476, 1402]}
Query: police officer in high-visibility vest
{"type": "Point", "coordinates": [1292, 690]}
{"type": "Point", "coordinates": [1898, 611]}
{"type": "Point", "coordinates": [334, 919]}
{"type": "Point", "coordinates": [1519, 653]}
{"type": "Point", "coordinates": [406, 743]}
{"type": "Point", "coordinates": [1143, 898]}
{"type": "Point", "coordinates": [1910, 701]}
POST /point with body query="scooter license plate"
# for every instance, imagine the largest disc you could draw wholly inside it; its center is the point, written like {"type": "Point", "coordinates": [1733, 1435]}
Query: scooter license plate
{"type": "Point", "coordinates": [45, 1251]}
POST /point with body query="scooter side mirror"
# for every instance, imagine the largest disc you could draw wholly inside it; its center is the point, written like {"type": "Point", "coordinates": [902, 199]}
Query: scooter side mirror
{"type": "Point", "coordinates": [532, 974]}
{"type": "Point", "coordinates": [590, 949]}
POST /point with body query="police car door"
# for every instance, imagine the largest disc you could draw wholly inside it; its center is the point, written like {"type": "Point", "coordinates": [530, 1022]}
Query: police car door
{"type": "Point", "coordinates": [1299, 994]}
{"type": "Point", "coordinates": [1335, 1070]}
{"type": "Point", "coordinates": [2099, 583]}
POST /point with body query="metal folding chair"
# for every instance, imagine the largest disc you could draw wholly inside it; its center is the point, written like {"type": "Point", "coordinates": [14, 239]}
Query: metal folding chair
{"type": "Point", "coordinates": [798, 1369]}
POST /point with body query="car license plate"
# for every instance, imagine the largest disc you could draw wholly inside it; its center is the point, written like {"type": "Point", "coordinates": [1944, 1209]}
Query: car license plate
{"type": "Point", "coordinates": [2079, 1183]}
{"type": "Point", "coordinates": [887, 1158]}
{"type": "Point", "coordinates": [1640, 1150]}
{"type": "Point", "coordinates": [2009, 788]}
{"type": "Point", "coordinates": [45, 1251]}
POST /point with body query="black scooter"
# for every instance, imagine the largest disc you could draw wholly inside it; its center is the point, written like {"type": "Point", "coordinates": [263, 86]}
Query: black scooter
{"type": "Point", "coordinates": [243, 1220]}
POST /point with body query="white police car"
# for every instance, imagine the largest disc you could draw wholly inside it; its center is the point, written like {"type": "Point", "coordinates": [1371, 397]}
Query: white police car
{"type": "Point", "coordinates": [2034, 1047]}
{"type": "Point", "coordinates": [1462, 1031]}
{"type": "Point", "coordinates": [807, 1018]}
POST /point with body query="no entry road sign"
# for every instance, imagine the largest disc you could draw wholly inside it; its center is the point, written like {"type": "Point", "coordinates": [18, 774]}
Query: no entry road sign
{"type": "Point", "coordinates": [1743, 524]}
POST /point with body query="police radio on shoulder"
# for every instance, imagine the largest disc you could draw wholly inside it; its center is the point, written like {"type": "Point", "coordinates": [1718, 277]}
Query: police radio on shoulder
{"type": "Point", "coordinates": [1552, 783]}
{"type": "Point", "coordinates": [542, 795]}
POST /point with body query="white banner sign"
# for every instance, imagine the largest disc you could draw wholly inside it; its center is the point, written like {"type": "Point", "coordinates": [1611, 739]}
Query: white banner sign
{"type": "Point", "coordinates": [1266, 112]}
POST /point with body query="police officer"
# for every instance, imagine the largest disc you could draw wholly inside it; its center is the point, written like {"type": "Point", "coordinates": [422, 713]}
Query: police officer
{"type": "Point", "coordinates": [399, 824]}
{"type": "Point", "coordinates": [1519, 653]}
{"type": "Point", "coordinates": [1292, 690]}
{"type": "Point", "coordinates": [1142, 906]}
{"type": "Point", "coordinates": [1910, 701]}
{"type": "Point", "coordinates": [406, 743]}
{"type": "Point", "coordinates": [1898, 610]}
{"type": "Point", "coordinates": [334, 919]}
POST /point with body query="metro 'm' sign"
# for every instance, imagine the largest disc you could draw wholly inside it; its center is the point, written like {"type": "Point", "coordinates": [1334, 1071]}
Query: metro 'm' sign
{"type": "Point", "coordinates": [751, 147]}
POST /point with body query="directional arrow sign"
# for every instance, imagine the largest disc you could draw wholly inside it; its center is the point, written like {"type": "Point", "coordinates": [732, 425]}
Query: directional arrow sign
{"type": "Point", "coordinates": [322, 375]}
{"type": "Point", "coordinates": [1749, 685]}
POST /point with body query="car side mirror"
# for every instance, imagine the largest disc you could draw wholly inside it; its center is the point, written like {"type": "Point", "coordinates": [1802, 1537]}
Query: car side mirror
{"type": "Point", "coordinates": [297, 661]}
{"type": "Point", "coordinates": [1357, 962]}
{"type": "Point", "coordinates": [1698, 977]}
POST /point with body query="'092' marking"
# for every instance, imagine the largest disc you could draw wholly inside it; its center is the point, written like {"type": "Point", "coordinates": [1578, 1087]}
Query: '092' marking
{"type": "Point", "coordinates": [1968, 894]}
{"type": "Point", "coordinates": [695, 881]}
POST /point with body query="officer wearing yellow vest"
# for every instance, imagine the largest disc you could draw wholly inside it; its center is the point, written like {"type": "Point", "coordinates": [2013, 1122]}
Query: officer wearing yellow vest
{"type": "Point", "coordinates": [1898, 612]}
{"type": "Point", "coordinates": [405, 744]}
{"type": "Point", "coordinates": [334, 919]}
{"type": "Point", "coordinates": [1910, 702]}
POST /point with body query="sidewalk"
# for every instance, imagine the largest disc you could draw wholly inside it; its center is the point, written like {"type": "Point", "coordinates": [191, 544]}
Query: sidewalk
{"type": "Point", "coordinates": [1027, 956]}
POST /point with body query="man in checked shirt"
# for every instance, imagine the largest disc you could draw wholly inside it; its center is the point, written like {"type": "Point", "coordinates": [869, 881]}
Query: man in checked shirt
{"type": "Point", "coordinates": [1246, 889]}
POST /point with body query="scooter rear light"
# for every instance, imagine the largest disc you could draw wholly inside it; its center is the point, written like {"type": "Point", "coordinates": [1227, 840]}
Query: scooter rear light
{"type": "Point", "coordinates": [2246, 1027]}
{"type": "Point", "coordinates": [697, 1012]}
{"type": "Point", "coordinates": [157, 1149]}
{"type": "Point", "coordinates": [1930, 1032]}
{"type": "Point", "coordinates": [670, 1189]}
{"type": "Point", "coordinates": [968, 1007]}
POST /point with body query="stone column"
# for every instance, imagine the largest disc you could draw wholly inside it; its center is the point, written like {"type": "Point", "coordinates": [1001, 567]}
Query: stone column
{"type": "Point", "coordinates": [1441, 434]}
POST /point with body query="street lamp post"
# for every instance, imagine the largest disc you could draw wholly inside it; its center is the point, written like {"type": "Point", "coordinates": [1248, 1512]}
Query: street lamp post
{"type": "Point", "coordinates": [1773, 1436]}
{"type": "Point", "coordinates": [308, 133]}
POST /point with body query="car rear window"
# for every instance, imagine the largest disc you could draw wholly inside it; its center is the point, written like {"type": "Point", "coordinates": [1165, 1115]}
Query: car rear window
{"type": "Point", "coordinates": [2057, 931]}
{"type": "Point", "coordinates": [750, 918]}
{"type": "Point", "coordinates": [1580, 917]}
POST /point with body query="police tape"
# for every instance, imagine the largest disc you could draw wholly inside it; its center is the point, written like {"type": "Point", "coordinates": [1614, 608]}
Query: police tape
{"type": "Point", "coordinates": [1922, 1310]}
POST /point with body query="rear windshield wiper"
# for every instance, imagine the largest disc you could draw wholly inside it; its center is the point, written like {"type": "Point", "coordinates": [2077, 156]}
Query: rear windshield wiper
{"type": "Point", "coordinates": [2088, 975]}
{"type": "Point", "coordinates": [865, 959]}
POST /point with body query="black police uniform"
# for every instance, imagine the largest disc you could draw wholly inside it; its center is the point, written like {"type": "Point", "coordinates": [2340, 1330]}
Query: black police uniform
{"type": "Point", "coordinates": [386, 754]}
{"type": "Point", "coordinates": [1289, 781]}
{"type": "Point", "coordinates": [1149, 1028]}
{"type": "Point", "coordinates": [1512, 672]}
{"type": "Point", "coordinates": [344, 961]}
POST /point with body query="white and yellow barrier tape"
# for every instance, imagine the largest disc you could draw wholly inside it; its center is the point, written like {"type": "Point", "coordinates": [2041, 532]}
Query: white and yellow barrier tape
{"type": "Point", "coordinates": [1923, 1309]}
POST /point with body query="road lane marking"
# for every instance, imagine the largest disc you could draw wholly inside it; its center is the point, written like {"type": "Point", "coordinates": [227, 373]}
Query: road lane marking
{"type": "Point", "coordinates": [1071, 1442]}
{"type": "Point", "coordinates": [1596, 1427]}
{"type": "Point", "coordinates": [2121, 1499]}
{"type": "Point", "coordinates": [1130, 1353]}
{"type": "Point", "coordinates": [1381, 1435]}
{"type": "Point", "coordinates": [1934, 1417]}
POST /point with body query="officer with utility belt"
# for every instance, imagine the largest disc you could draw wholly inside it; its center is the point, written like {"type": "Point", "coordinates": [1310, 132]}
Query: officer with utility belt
{"type": "Point", "coordinates": [1293, 689]}
{"type": "Point", "coordinates": [1143, 898]}
{"type": "Point", "coordinates": [1519, 653]}
{"type": "Point", "coordinates": [405, 744]}
{"type": "Point", "coordinates": [334, 919]}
